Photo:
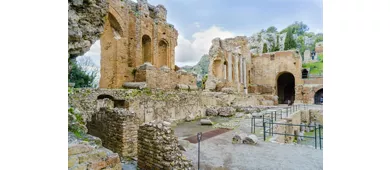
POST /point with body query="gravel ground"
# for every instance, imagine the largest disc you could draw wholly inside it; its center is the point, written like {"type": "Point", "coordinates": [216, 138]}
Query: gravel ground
{"type": "Point", "coordinates": [219, 153]}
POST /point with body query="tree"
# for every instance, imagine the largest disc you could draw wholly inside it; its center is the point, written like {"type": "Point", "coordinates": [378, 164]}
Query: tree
{"type": "Point", "coordinates": [81, 76]}
{"type": "Point", "coordinates": [265, 48]}
{"type": "Point", "coordinates": [301, 44]}
{"type": "Point", "coordinates": [290, 42]}
{"type": "Point", "coordinates": [298, 28]}
{"type": "Point", "coordinates": [272, 29]}
{"type": "Point", "coordinates": [275, 47]}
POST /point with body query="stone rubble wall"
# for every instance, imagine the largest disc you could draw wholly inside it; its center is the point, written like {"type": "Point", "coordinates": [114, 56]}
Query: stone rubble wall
{"type": "Point", "coordinates": [149, 105]}
{"type": "Point", "coordinates": [117, 128]}
{"type": "Point", "coordinates": [164, 78]}
{"type": "Point", "coordinates": [88, 153]}
{"type": "Point", "coordinates": [158, 148]}
{"type": "Point", "coordinates": [305, 93]}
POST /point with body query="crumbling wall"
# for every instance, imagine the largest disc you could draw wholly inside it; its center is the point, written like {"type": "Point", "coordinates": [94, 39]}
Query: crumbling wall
{"type": "Point", "coordinates": [135, 33]}
{"type": "Point", "coordinates": [117, 128]}
{"type": "Point", "coordinates": [88, 153]}
{"type": "Point", "coordinates": [305, 93]}
{"type": "Point", "coordinates": [158, 148]}
{"type": "Point", "coordinates": [85, 24]}
{"type": "Point", "coordinates": [225, 67]}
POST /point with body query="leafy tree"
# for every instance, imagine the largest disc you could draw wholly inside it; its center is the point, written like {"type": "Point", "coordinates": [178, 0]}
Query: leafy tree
{"type": "Point", "coordinates": [265, 48]}
{"type": "Point", "coordinates": [80, 76]}
{"type": "Point", "coordinates": [290, 43]}
{"type": "Point", "coordinates": [272, 29]}
{"type": "Point", "coordinates": [204, 79]}
{"type": "Point", "coordinates": [301, 44]}
{"type": "Point", "coordinates": [298, 28]}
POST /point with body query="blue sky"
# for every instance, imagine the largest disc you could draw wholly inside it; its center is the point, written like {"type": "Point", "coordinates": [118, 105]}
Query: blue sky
{"type": "Point", "coordinates": [200, 21]}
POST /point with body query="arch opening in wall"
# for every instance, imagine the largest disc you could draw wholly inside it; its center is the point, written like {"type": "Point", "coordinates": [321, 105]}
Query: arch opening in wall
{"type": "Point", "coordinates": [305, 73]}
{"type": "Point", "coordinates": [217, 71]}
{"type": "Point", "coordinates": [318, 97]}
{"type": "Point", "coordinates": [225, 68]}
{"type": "Point", "coordinates": [147, 49]}
{"type": "Point", "coordinates": [162, 58]}
{"type": "Point", "coordinates": [286, 87]}
{"type": "Point", "coordinates": [115, 26]}
{"type": "Point", "coordinates": [117, 103]}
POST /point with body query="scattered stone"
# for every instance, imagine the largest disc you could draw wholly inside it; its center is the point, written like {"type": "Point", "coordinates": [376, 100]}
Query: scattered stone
{"type": "Point", "coordinates": [239, 115]}
{"type": "Point", "coordinates": [146, 66]}
{"type": "Point", "coordinates": [206, 122]}
{"type": "Point", "coordinates": [226, 111]}
{"type": "Point", "coordinates": [227, 90]}
{"type": "Point", "coordinates": [190, 117]}
{"type": "Point", "coordinates": [251, 139]}
{"type": "Point", "coordinates": [211, 112]}
{"type": "Point", "coordinates": [182, 87]}
{"type": "Point", "coordinates": [238, 138]}
{"type": "Point", "coordinates": [248, 116]}
{"type": "Point", "coordinates": [193, 87]}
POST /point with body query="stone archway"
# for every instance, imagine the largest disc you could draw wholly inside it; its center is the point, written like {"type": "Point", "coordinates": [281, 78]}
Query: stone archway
{"type": "Point", "coordinates": [318, 96]}
{"type": "Point", "coordinates": [285, 87]}
{"type": "Point", "coordinates": [147, 49]}
{"type": "Point", "coordinates": [305, 73]}
{"type": "Point", "coordinates": [162, 59]}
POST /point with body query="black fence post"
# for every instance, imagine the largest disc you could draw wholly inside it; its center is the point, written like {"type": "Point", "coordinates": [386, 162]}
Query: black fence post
{"type": "Point", "coordinates": [254, 125]}
{"type": "Point", "coordinates": [199, 135]}
{"type": "Point", "coordinates": [319, 134]}
{"type": "Point", "coordinates": [315, 135]}
{"type": "Point", "coordinates": [264, 130]}
{"type": "Point", "coordinates": [272, 127]}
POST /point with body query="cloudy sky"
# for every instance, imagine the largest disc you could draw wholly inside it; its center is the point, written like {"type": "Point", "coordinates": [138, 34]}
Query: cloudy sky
{"type": "Point", "coordinates": [200, 21]}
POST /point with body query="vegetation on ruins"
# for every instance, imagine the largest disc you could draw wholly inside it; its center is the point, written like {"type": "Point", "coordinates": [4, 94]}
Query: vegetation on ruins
{"type": "Point", "coordinates": [316, 67]}
{"type": "Point", "coordinates": [272, 29]}
{"type": "Point", "coordinates": [290, 43]}
{"type": "Point", "coordinates": [298, 28]}
{"type": "Point", "coordinates": [275, 47]}
{"type": "Point", "coordinates": [81, 77]}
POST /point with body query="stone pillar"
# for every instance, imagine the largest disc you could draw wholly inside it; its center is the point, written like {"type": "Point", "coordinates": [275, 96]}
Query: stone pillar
{"type": "Point", "coordinates": [236, 69]}
{"type": "Point", "coordinates": [244, 71]}
{"type": "Point", "coordinates": [241, 72]}
{"type": "Point", "coordinates": [224, 71]}
{"type": "Point", "coordinates": [229, 67]}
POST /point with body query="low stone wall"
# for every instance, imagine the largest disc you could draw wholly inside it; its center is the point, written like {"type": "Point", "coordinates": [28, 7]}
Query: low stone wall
{"type": "Point", "coordinates": [305, 93]}
{"type": "Point", "coordinates": [158, 148]}
{"type": "Point", "coordinates": [117, 128]}
{"type": "Point", "coordinates": [89, 154]}
{"type": "Point", "coordinates": [313, 81]}
{"type": "Point", "coordinates": [148, 105]}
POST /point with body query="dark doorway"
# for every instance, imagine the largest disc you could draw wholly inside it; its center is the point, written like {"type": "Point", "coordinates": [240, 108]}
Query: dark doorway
{"type": "Point", "coordinates": [286, 88]}
{"type": "Point", "coordinates": [318, 97]}
{"type": "Point", "coordinates": [304, 73]}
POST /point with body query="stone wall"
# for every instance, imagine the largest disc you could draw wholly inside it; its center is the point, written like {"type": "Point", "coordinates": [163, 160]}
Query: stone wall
{"type": "Point", "coordinates": [305, 93]}
{"type": "Point", "coordinates": [164, 78]}
{"type": "Point", "coordinates": [158, 148]}
{"type": "Point", "coordinates": [149, 105]}
{"type": "Point", "coordinates": [117, 128]}
{"type": "Point", "coordinates": [134, 33]}
{"type": "Point", "coordinates": [87, 153]}
{"type": "Point", "coordinates": [318, 80]}
{"type": "Point", "coordinates": [230, 62]}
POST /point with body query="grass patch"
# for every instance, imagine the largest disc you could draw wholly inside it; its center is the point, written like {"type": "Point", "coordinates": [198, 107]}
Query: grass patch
{"type": "Point", "coordinates": [315, 68]}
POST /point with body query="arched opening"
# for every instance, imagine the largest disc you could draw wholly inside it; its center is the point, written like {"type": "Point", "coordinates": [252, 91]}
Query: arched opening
{"type": "Point", "coordinates": [116, 27]}
{"type": "Point", "coordinates": [286, 87]}
{"type": "Point", "coordinates": [117, 103]}
{"type": "Point", "coordinates": [147, 48]}
{"type": "Point", "coordinates": [217, 71]}
{"type": "Point", "coordinates": [305, 73]}
{"type": "Point", "coordinates": [162, 54]}
{"type": "Point", "coordinates": [318, 97]}
{"type": "Point", "coordinates": [225, 67]}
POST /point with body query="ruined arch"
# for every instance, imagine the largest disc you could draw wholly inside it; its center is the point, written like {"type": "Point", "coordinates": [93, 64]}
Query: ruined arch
{"type": "Point", "coordinates": [285, 85]}
{"type": "Point", "coordinates": [305, 73]}
{"type": "Point", "coordinates": [162, 58]}
{"type": "Point", "coordinates": [216, 67]}
{"type": "Point", "coordinates": [146, 48]}
{"type": "Point", "coordinates": [115, 26]}
{"type": "Point", "coordinates": [318, 96]}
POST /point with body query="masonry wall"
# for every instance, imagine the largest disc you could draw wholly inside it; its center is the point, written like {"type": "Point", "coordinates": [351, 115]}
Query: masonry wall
{"type": "Point", "coordinates": [134, 33]}
{"type": "Point", "coordinates": [158, 148]}
{"type": "Point", "coordinates": [305, 93]}
{"type": "Point", "coordinates": [117, 128]}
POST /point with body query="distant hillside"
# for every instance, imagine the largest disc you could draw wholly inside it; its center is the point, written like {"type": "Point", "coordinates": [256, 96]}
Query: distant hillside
{"type": "Point", "coordinates": [201, 68]}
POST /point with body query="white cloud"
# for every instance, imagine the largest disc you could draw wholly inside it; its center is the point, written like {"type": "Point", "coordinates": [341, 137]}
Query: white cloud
{"type": "Point", "coordinates": [94, 53]}
{"type": "Point", "coordinates": [189, 53]}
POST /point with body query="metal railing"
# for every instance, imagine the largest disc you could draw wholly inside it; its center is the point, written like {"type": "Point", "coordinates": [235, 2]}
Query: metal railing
{"type": "Point", "coordinates": [318, 129]}
{"type": "Point", "coordinates": [276, 115]}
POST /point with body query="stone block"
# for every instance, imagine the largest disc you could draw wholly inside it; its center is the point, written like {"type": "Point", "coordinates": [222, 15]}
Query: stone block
{"type": "Point", "coordinates": [211, 112]}
{"type": "Point", "coordinates": [251, 139]}
{"type": "Point", "coordinates": [206, 122]}
{"type": "Point", "coordinates": [238, 138]}
{"type": "Point", "coordinates": [78, 148]}
{"type": "Point", "coordinates": [226, 111]}
{"type": "Point", "coordinates": [135, 85]}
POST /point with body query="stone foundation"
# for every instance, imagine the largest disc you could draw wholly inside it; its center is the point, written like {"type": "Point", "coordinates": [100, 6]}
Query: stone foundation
{"type": "Point", "coordinates": [158, 148]}
{"type": "Point", "coordinates": [89, 154]}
